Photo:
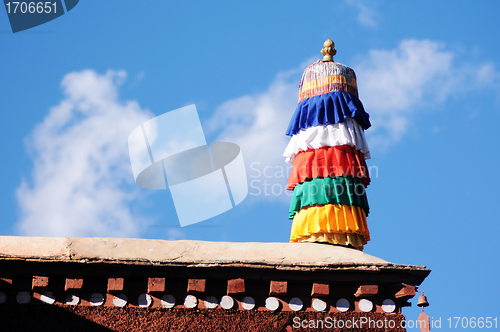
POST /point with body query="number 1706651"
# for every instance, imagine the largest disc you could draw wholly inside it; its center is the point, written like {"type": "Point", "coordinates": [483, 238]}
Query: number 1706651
{"type": "Point", "coordinates": [31, 7]}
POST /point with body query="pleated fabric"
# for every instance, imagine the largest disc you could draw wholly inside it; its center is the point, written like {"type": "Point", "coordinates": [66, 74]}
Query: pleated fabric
{"type": "Point", "coordinates": [347, 133]}
{"type": "Point", "coordinates": [343, 160]}
{"type": "Point", "coordinates": [324, 221]}
{"type": "Point", "coordinates": [323, 77]}
{"type": "Point", "coordinates": [345, 239]}
{"type": "Point", "coordinates": [328, 108]}
{"type": "Point", "coordinates": [323, 191]}
{"type": "Point", "coordinates": [328, 151]}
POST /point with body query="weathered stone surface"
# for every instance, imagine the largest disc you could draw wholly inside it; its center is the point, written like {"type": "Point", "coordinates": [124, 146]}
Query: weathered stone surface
{"type": "Point", "coordinates": [35, 247]}
{"type": "Point", "coordinates": [181, 251]}
{"type": "Point", "coordinates": [200, 254]}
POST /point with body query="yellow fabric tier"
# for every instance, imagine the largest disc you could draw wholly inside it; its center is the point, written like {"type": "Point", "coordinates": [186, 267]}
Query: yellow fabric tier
{"type": "Point", "coordinates": [321, 223]}
{"type": "Point", "coordinates": [355, 240]}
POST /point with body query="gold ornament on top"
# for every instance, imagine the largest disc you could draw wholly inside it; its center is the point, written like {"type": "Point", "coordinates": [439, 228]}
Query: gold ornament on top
{"type": "Point", "coordinates": [328, 50]}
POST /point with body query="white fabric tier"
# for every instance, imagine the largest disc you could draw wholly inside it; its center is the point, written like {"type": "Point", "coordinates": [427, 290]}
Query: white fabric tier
{"type": "Point", "coordinates": [348, 132]}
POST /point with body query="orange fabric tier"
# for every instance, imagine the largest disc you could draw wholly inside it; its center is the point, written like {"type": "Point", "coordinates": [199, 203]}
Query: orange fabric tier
{"type": "Point", "coordinates": [341, 160]}
{"type": "Point", "coordinates": [336, 224]}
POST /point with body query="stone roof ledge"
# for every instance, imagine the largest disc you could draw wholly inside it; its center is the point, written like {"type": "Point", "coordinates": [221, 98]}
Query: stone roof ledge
{"type": "Point", "coordinates": [188, 252]}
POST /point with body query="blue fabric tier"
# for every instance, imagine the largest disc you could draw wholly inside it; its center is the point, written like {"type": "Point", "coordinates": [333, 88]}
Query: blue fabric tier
{"type": "Point", "coordinates": [328, 108]}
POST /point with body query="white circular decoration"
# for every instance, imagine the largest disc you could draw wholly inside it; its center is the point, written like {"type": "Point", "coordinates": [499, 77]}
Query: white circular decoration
{"type": "Point", "coordinates": [144, 300]}
{"type": "Point", "coordinates": [272, 303]}
{"type": "Point", "coordinates": [211, 302]}
{"type": "Point", "coordinates": [296, 304]}
{"type": "Point", "coordinates": [365, 305]}
{"type": "Point", "coordinates": [190, 302]}
{"type": "Point", "coordinates": [96, 299]}
{"type": "Point", "coordinates": [168, 301]}
{"type": "Point", "coordinates": [23, 297]}
{"type": "Point", "coordinates": [319, 304]}
{"type": "Point", "coordinates": [3, 297]}
{"type": "Point", "coordinates": [388, 306]}
{"type": "Point", "coordinates": [120, 300]}
{"type": "Point", "coordinates": [48, 298]}
{"type": "Point", "coordinates": [342, 305]}
{"type": "Point", "coordinates": [227, 302]}
{"type": "Point", "coordinates": [248, 303]}
{"type": "Point", "coordinates": [72, 299]}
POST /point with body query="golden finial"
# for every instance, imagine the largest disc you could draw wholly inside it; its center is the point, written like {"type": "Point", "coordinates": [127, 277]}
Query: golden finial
{"type": "Point", "coordinates": [328, 50]}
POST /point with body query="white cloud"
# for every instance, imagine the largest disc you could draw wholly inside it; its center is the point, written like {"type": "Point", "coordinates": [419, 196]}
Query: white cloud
{"type": "Point", "coordinates": [418, 74]}
{"type": "Point", "coordinates": [393, 84]}
{"type": "Point", "coordinates": [257, 123]}
{"type": "Point", "coordinates": [82, 182]}
{"type": "Point", "coordinates": [367, 14]}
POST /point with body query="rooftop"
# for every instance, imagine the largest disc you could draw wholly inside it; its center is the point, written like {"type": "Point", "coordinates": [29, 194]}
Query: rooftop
{"type": "Point", "coordinates": [118, 283]}
{"type": "Point", "coordinates": [285, 256]}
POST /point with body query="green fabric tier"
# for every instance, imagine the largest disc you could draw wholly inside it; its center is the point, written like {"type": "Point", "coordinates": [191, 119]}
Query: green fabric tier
{"type": "Point", "coordinates": [331, 190]}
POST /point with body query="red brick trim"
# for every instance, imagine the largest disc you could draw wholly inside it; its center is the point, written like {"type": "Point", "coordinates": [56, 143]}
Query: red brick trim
{"type": "Point", "coordinates": [236, 286]}
{"type": "Point", "coordinates": [156, 285]}
{"type": "Point", "coordinates": [366, 290]}
{"type": "Point", "coordinates": [115, 284]}
{"type": "Point", "coordinates": [73, 283]}
{"type": "Point", "coordinates": [278, 288]}
{"type": "Point", "coordinates": [320, 290]}
{"type": "Point", "coordinates": [40, 282]}
{"type": "Point", "coordinates": [196, 286]}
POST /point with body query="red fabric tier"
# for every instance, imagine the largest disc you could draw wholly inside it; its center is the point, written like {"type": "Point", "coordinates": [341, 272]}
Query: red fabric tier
{"type": "Point", "coordinates": [341, 160]}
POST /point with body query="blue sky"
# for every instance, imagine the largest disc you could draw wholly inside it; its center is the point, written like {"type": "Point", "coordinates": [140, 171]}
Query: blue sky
{"type": "Point", "coordinates": [71, 91]}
